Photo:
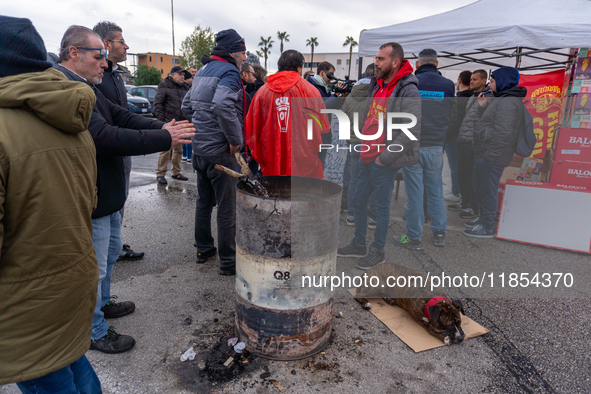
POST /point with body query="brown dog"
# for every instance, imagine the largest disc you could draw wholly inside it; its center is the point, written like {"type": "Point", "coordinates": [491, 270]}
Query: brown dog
{"type": "Point", "coordinates": [432, 310]}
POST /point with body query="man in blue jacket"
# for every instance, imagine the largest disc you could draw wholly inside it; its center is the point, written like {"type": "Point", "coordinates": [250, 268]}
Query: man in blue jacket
{"type": "Point", "coordinates": [216, 105]}
{"type": "Point", "coordinates": [437, 95]}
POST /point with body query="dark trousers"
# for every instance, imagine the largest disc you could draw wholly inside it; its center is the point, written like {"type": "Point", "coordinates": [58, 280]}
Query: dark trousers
{"type": "Point", "coordinates": [486, 186]}
{"type": "Point", "coordinates": [465, 171]}
{"type": "Point", "coordinates": [215, 187]}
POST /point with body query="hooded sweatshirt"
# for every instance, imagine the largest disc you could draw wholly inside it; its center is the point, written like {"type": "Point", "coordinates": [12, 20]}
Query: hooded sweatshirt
{"type": "Point", "coordinates": [276, 126]}
{"type": "Point", "coordinates": [496, 134]}
{"type": "Point", "coordinates": [49, 273]}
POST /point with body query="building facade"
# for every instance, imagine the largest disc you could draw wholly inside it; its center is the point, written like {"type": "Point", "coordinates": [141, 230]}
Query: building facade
{"type": "Point", "coordinates": [340, 61]}
{"type": "Point", "coordinates": [161, 61]}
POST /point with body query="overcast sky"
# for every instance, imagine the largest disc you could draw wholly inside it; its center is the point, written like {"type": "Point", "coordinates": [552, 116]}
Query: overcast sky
{"type": "Point", "coordinates": [147, 24]}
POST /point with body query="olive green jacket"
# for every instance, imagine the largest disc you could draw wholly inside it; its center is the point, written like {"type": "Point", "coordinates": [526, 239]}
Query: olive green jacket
{"type": "Point", "coordinates": [48, 269]}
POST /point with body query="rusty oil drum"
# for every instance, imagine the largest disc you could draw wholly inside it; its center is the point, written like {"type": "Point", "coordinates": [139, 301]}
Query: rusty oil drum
{"type": "Point", "coordinates": [280, 239]}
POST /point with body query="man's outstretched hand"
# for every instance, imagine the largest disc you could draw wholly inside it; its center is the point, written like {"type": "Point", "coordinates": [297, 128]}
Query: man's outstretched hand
{"type": "Point", "coordinates": [180, 131]}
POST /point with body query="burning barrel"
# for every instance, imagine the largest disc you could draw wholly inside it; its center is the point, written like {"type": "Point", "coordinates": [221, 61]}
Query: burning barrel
{"type": "Point", "coordinates": [285, 239]}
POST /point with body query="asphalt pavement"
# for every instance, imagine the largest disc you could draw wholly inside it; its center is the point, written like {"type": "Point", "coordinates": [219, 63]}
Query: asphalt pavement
{"type": "Point", "coordinates": [538, 340]}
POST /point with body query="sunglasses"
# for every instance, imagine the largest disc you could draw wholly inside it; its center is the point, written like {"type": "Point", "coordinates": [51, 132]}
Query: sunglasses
{"type": "Point", "coordinates": [102, 51]}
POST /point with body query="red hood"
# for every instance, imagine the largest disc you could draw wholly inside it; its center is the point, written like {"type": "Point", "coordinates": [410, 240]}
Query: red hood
{"type": "Point", "coordinates": [283, 81]}
{"type": "Point", "coordinates": [405, 69]}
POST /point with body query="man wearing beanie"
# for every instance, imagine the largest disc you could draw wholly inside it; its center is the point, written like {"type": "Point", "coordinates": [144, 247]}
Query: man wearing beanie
{"type": "Point", "coordinates": [495, 139]}
{"type": "Point", "coordinates": [116, 133]}
{"type": "Point", "coordinates": [114, 90]}
{"type": "Point", "coordinates": [48, 275]}
{"type": "Point", "coordinates": [216, 105]}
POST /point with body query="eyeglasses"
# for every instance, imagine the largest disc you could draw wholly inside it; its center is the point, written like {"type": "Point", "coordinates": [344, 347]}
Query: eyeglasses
{"type": "Point", "coordinates": [122, 41]}
{"type": "Point", "coordinates": [102, 51]}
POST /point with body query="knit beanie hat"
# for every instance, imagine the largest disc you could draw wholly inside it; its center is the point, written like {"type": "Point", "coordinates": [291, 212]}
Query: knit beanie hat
{"type": "Point", "coordinates": [230, 40]}
{"type": "Point", "coordinates": [21, 48]}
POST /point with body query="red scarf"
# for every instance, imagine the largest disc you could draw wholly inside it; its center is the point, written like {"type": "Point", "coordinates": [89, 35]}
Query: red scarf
{"type": "Point", "coordinates": [378, 105]}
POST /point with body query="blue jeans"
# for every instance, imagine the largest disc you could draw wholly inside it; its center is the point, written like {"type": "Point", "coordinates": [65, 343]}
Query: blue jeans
{"type": "Point", "coordinates": [106, 238]}
{"type": "Point", "coordinates": [188, 151]}
{"type": "Point", "coordinates": [425, 177]}
{"type": "Point", "coordinates": [353, 180]}
{"type": "Point", "coordinates": [451, 150]}
{"type": "Point", "coordinates": [485, 181]}
{"type": "Point", "coordinates": [381, 179]}
{"type": "Point", "coordinates": [76, 378]}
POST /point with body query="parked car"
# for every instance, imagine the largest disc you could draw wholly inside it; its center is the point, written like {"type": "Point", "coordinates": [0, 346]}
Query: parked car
{"type": "Point", "coordinates": [139, 105]}
{"type": "Point", "coordinates": [145, 91]}
{"type": "Point", "coordinates": [128, 87]}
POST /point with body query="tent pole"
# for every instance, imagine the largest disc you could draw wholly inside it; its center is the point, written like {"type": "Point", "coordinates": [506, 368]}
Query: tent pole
{"type": "Point", "coordinates": [359, 72]}
{"type": "Point", "coordinates": [518, 58]}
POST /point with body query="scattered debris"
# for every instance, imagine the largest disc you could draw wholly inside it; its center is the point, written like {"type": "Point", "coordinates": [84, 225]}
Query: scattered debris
{"type": "Point", "coordinates": [265, 375]}
{"type": "Point", "coordinates": [188, 355]}
{"type": "Point", "coordinates": [293, 371]}
{"type": "Point", "coordinates": [188, 321]}
{"type": "Point", "coordinates": [232, 341]}
{"type": "Point", "coordinates": [278, 385]}
{"type": "Point", "coordinates": [195, 333]}
{"type": "Point", "coordinates": [239, 347]}
{"type": "Point", "coordinates": [229, 361]}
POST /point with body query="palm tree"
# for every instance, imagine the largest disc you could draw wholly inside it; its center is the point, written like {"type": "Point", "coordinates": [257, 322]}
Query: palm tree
{"type": "Point", "coordinates": [266, 45]}
{"type": "Point", "coordinates": [350, 41]}
{"type": "Point", "coordinates": [312, 42]}
{"type": "Point", "coordinates": [283, 36]}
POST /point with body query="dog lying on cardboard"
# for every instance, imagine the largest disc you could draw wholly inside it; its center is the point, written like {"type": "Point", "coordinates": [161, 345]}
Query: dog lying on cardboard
{"type": "Point", "coordinates": [441, 316]}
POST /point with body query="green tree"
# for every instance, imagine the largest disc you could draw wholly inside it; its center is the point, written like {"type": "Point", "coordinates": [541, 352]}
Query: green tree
{"type": "Point", "coordinates": [350, 41]}
{"type": "Point", "coordinates": [266, 44]}
{"type": "Point", "coordinates": [283, 36]}
{"type": "Point", "coordinates": [194, 46]}
{"type": "Point", "coordinates": [312, 42]}
{"type": "Point", "coordinates": [146, 75]}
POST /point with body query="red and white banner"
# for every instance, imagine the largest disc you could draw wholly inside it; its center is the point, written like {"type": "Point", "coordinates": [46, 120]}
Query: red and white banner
{"type": "Point", "coordinates": [543, 102]}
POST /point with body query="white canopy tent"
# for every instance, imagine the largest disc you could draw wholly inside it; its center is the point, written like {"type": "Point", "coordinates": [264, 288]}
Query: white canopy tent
{"type": "Point", "coordinates": [527, 34]}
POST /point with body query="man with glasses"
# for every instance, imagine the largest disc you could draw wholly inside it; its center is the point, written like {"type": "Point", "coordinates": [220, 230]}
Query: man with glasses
{"type": "Point", "coordinates": [116, 133]}
{"type": "Point", "coordinates": [114, 90]}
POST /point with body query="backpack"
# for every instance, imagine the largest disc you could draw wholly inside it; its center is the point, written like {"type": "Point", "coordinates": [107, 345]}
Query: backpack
{"type": "Point", "coordinates": [527, 138]}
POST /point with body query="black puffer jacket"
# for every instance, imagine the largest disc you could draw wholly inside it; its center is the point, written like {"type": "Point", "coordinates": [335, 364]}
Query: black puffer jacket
{"type": "Point", "coordinates": [495, 136]}
{"type": "Point", "coordinates": [466, 133]}
{"type": "Point", "coordinates": [168, 100]}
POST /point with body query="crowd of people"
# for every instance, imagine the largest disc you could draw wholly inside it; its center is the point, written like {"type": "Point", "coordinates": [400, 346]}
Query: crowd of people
{"type": "Point", "coordinates": [66, 141]}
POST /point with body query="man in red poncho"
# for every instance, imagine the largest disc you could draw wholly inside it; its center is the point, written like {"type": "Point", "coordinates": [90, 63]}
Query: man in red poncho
{"type": "Point", "coordinates": [277, 123]}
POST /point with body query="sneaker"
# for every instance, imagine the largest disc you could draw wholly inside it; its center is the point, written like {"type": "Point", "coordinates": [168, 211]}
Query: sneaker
{"type": "Point", "coordinates": [404, 241]}
{"type": "Point", "coordinates": [189, 161]}
{"type": "Point", "coordinates": [227, 271]}
{"type": "Point", "coordinates": [438, 238]}
{"type": "Point", "coordinates": [112, 343]}
{"type": "Point", "coordinates": [113, 309]}
{"type": "Point", "coordinates": [373, 258]}
{"type": "Point", "coordinates": [184, 159]}
{"type": "Point", "coordinates": [350, 220]}
{"type": "Point", "coordinates": [371, 223]}
{"type": "Point", "coordinates": [180, 177]}
{"type": "Point", "coordinates": [468, 213]}
{"type": "Point", "coordinates": [473, 223]}
{"type": "Point", "coordinates": [127, 254]}
{"type": "Point", "coordinates": [479, 232]}
{"type": "Point", "coordinates": [452, 197]}
{"type": "Point", "coordinates": [456, 207]}
{"type": "Point", "coordinates": [203, 257]}
{"type": "Point", "coordinates": [161, 180]}
{"type": "Point", "coordinates": [352, 250]}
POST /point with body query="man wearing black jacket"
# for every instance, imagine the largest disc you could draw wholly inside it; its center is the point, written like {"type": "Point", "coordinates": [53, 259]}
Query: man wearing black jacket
{"type": "Point", "coordinates": [495, 139]}
{"type": "Point", "coordinates": [114, 90]}
{"type": "Point", "coordinates": [116, 133]}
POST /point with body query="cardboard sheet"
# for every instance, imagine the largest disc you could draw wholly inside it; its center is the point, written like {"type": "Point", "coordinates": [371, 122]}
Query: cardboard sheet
{"type": "Point", "coordinates": [412, 333]}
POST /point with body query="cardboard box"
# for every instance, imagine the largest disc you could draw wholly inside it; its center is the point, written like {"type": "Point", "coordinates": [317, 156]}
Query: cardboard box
{"type": "Point", "coordinates": [572, 145]}
{"type": "Point", "coordinates": [570, 174]}
{"type": "Point", "coordinates": [530, 170]}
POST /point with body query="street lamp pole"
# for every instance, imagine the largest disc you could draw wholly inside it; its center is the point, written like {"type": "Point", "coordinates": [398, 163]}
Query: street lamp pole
{"type": "Point", "coordinates": [172, 13]}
